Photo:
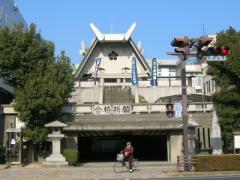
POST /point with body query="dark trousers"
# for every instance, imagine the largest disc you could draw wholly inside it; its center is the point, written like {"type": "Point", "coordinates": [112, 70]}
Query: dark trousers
{"type": "Point", "coordinates": [128, 159]}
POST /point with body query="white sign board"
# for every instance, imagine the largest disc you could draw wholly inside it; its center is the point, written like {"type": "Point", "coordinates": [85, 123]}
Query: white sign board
{"type": "Point", "coordinates": [178, 109]}
{"type": "Point", "coordinates": [236, 141]}
{"type": "Point", "coordinates": [216, 58]}
{"type": "Point", "coordinates": [111, 109]}
{"type": "Point", "coordinates": [13, 141]}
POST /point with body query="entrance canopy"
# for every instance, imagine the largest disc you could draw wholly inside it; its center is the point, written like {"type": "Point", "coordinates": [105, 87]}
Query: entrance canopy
{"type": "Point", "coordinates": [125, 123]}
{"type": "Point", "coordinates": [13, 130]}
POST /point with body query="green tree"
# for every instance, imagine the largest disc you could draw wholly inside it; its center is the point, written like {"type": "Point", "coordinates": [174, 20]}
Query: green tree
{"type": "Point", "coordinates": [42, 81]}
{"type": "Point", "coordinates": [227, 76]}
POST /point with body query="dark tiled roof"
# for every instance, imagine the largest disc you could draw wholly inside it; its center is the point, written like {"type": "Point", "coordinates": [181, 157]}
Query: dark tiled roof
{"type": "Point", "coordinates": [130, 122]}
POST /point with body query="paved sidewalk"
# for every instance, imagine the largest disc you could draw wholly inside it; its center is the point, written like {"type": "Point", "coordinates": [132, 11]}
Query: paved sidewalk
{"type": "Point", "coordinates": [97, 171]}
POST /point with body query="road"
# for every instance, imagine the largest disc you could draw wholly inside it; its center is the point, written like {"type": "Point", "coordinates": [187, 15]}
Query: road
{"type": "Point", "coordinates": [105, 172]}
{"type": "Point", "coordinates": [227, 177]}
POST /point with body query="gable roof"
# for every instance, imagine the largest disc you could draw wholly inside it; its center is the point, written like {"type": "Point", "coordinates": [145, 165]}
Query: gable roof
{"type": "Point", "coordinates": [56, 124]}
{"type": "Point", "coordinates": [132, 44]}
{"type": "Point", "coordinates": [80, 67]}
{"type": "Point", "coordinates": [113, 38]}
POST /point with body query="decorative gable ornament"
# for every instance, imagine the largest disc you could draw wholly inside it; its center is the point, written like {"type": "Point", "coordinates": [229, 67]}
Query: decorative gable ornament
{"type": "Point", "coordinates": [113, 55]}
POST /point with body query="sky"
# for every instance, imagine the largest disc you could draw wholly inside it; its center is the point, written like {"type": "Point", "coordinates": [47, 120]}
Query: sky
{"type": "Point", "coordinates": [66, 22]}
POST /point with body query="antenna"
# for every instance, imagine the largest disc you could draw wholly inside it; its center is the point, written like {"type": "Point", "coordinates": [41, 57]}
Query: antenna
{"type": "Point", "coordinates": [139, 45]}
{"type": "Point", "coordinates": [111, 27]}
{"type": "Point", "coordinates": [204, 33]}
{"type": "Point", "coordinates": [83, 49]}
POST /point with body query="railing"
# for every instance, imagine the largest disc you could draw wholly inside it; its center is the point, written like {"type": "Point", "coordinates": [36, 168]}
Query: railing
{"type": "Point", "coordinates": [162, 82]}
{"type": "Point", "coordinates": [186, 163]}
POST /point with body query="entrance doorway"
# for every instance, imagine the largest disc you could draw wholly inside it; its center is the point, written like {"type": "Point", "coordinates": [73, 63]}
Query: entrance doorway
{"type": "Point", "coordinates": [105, 148]}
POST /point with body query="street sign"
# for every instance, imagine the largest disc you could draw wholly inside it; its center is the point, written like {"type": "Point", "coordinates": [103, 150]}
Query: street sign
{"type": "Point", "coordinates": [236, 141]}
{"type": "Point", "coordinates": [178, 109]}
{"type": "Point", "coordinates": [215, 58]}
{"type": "Point", "coordinates": [13, 141]}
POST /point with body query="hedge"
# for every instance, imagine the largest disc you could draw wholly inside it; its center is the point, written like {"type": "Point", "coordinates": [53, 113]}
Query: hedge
{"type": "Point", "coordinates": [71, 156]}
{"type": "Point", "coordinates": [218, 163]}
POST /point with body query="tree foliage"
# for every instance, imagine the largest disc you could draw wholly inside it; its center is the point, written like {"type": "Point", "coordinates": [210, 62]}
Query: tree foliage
{"type": "Point", "coordinates": [227, 76]}
{"type": "Point", "coordinates": [42, 81]}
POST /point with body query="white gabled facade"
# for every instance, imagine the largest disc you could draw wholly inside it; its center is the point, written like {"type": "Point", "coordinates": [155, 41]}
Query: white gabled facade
{"type": "Point", "coordinates": [122, 46]}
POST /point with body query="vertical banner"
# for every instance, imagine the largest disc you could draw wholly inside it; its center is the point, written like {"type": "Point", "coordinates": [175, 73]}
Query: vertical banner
{"type": "Point", "coordinates": [134, 72]}
{"type": "Point", "coordinates": [154, 81]}
{"type": "Point", "coordinates": [98, 62]}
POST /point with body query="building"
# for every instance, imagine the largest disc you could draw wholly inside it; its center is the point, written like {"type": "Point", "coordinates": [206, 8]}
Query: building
{"type": "Point", "coordinates": [170, 69]}
{"type": "Point", "coordinates": [106, 109]}
{"type": "Point", "coordinates": [9, 15]}
{"type": "Point", "coordinates": [109, 110]}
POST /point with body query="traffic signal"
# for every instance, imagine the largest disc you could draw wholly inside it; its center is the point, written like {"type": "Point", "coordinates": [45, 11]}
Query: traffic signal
{"type": "Point", "coordinates": [202, 43]}
{"type": "Point", "coordinates": [180, 42]}
{"type": "Point", "coordinates": [225, 51]}
{"type": "Point", "coordinates": [205, 41]}
{"type": "Point", "coordinates": [216, 51]}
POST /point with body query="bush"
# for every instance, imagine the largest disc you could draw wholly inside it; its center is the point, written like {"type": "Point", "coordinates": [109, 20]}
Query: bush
{"type": "Point", "coordinates": [71, 156]}
{"type": "Point", "coordinates": [2, 155]}
{"type": "Point", "coordinates": [218, 163]}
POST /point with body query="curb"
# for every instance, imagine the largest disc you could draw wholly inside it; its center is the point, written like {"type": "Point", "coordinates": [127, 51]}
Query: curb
{"type": "Point", "coordinates": [204, 174]}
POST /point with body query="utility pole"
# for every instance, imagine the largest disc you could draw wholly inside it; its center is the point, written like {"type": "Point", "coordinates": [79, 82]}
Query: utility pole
{"type": "Point", "coordinates": [184, 109]}
{"type": "Point", "coordinates": [183, 51]}
{"type": "Point", "coordinates": [197, 47]}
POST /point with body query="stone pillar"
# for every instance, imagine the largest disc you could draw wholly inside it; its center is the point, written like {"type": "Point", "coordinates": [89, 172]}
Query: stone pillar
{"type": "Point", "coordinates": [56, 158]}
{"type": "Point", "coordinates": [176, 145]}
{"type": "Point", "coordinates": [56, 146]}
{"type": "Point", "coordinates": [191, 136]}
{"type": "Point", "coordinates": [136, 94]}
{"type": "Point", "coordinates": [216, 135]}
{"type": "Point", "coordinates": [191, 141]}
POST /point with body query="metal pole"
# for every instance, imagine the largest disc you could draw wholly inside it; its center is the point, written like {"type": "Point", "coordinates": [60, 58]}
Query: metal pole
{"type": "Point", "coordinates": [184, 108]}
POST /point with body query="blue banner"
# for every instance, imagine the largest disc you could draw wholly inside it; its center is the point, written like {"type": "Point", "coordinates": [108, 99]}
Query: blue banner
{"type": "Point", "coordinates": [134, 72]}
{"type": "Point", "coordinates": [98, 62]}
{"type": "Point", "coordinates": [154, 81]}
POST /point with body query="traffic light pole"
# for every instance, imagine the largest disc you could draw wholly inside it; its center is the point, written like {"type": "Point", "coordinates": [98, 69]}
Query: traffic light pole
{"type": "Point", "coordinates": [184, 111]}
{"type": "Point", "coordinates": [185, 48]}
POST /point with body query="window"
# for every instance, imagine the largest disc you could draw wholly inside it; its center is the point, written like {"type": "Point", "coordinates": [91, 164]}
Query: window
{"type": "Point", "coordinates": [204, 88]}
{"type": "Point", "coordinates": [209, 86]}
{"type": "Point", "coordinates": [110, 80]}
{"type": "Point", "coordinates": [213, 85]}
{"type": "Point", "coordinates": [172, 72]}
{"type": "Point", "coordinates": [128, 80]}
{"type": "Point", "coordinates": [199, 138]}
{"type": "Point", "coordinates": [196, 81]}
{"type": "Point", "coordinates": [204, 140]}
{"type": "Point", "coordinates": [159, 71]}
{"type": "Point", "coordinates": [209, 138]}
